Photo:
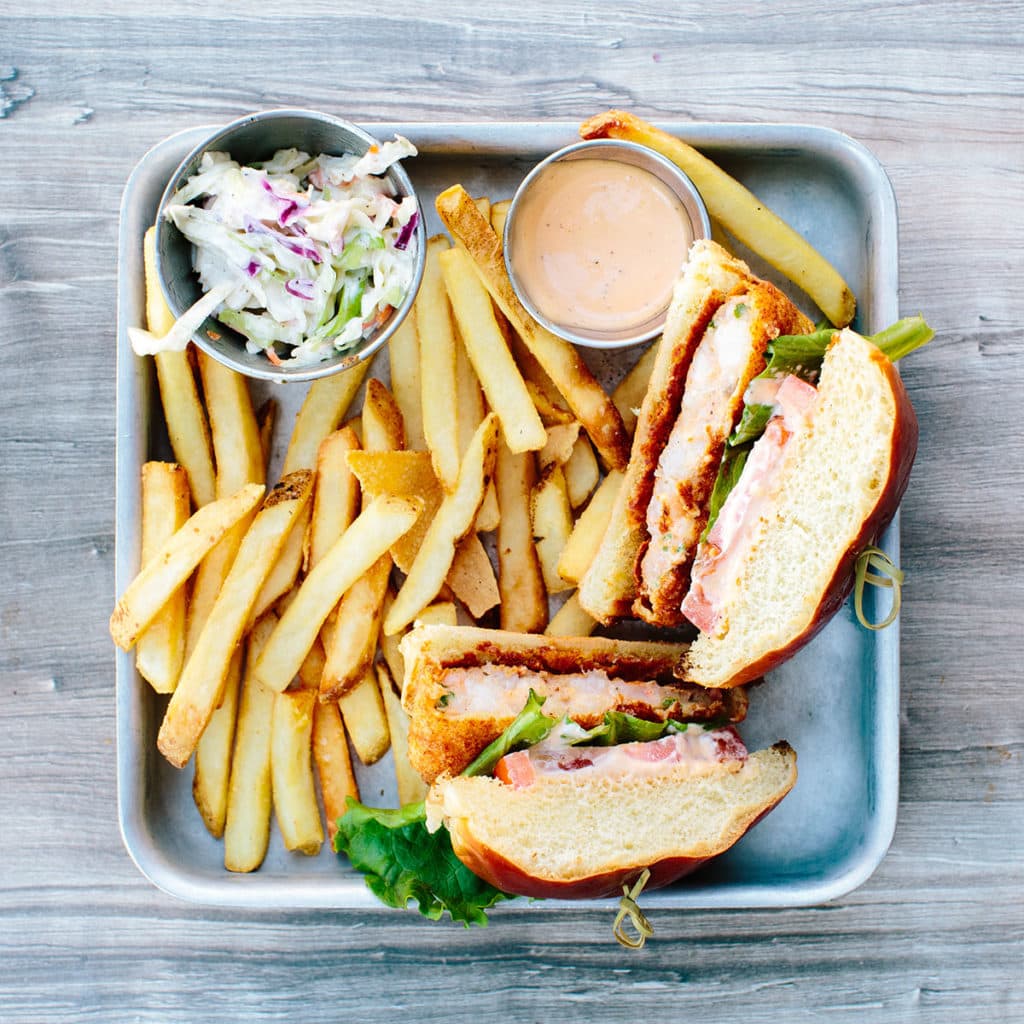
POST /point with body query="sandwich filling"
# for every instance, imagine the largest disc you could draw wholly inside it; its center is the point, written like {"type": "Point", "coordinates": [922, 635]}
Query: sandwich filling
{"type": "Point", "coordinates": [501, 690]}
{"type": "Point", "coordinates": [696, 749]}
{"type": "Point", "coordinates": [716, 374]}
{"type": "Point", "coordinates": [719, 555]}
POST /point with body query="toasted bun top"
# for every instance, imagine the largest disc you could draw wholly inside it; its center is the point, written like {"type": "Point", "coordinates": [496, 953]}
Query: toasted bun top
{"type": "Point", "coordinates": [579, 835]}
{"type": "Point", "coordinates": [838, 486]}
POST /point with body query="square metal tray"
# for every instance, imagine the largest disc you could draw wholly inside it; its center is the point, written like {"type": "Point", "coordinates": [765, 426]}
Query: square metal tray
{"type": "Point", "coordinates": [837, 702]}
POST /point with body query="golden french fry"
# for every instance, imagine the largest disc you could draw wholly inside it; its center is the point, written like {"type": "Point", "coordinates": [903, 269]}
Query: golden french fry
{"type": "Point", "coordinates": [247, 823]}
{"type": "Point", "coordinates": [471, 414]}
{"type": "Point", "coordinates": [558, 447]}
{"type": "Point", "coordinates": [483, 204]}
{"type": "Point", "coordinates": [404, 354]}
{"type": "Point", "coordinates": [562, 363]}
{"type": "Point", "coordinates": [233, 427]}
{"type": "Point", "coordinates": [581, 472]}
{"type": "Point", "coordinates": [489, 353]}
{"type": "Point", "coordinates": [370, 535]}
{"type": "Point", "coordinates": [213, 753]}
{"type": "Point", "coordinates": [608, 587]}
{"type": "Point", "coordinates": [552, 524]}
{"type": "Point", "coordinates": [321, 414]}
{"type": "Point", "coordinates": [454, 519]}
{"type": "Point", "coordinates": [383, 426]}
{"type": "Point", "coordinates": [160, 650]}
{"type": "Point", "coordinates": [398, 474]}
{"type": "Point", "coordinates": [411, 788]}
{"type": "Point", "coordinates": [740, 212]}
{"type": "Point", "coordinates": [550, 412]}
{"type": "Point", "coordinates": [471, 577]}
{"type": "Point", "coordinates": [202, 678]}
{"type": "Point", "coordinates": [179, 396]}
{"type": "Point", "coordinates": [172, 565]}
{"type": "Point", "coordinates": [629, 395]}
{"type": "Point", "coordinates": [440, 613]}
{"type": "Point", "coordinates": [581, 547]}
{"type": "Point", "coordinates": [389, 644]}
{"type": "Point", "coordinates": [499, 214]}
{"type": "Point", "coordinates": [571, 619]}
{"type": "Point", "coordinates": [333, 764]}
{"type": "Point", "coordinates": [362, 710]}
{"type": "Point", "coordinates": [335, 493]}
{"type": "Point", "coordinates": [291, 771]}
{"type": "Point", "coordinates": [285, 570]}
{"type": "Point", "coordinates": [524, 602]}
{"type": "Point", "coordinates": [437, 367]}
{"type": "Point", "coordinates": [352, 639]}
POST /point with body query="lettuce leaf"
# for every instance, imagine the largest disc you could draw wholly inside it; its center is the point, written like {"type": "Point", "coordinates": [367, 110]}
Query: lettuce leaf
{"type": "Point", "coordinates": [402, 861]}
{"type": "Point", "coordinates": [530, 726]}
{"type": "Point", "coordinates": [619, 727]}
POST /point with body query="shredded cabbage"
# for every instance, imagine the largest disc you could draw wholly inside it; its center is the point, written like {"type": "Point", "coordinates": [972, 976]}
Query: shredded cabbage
{"type": "Point", "coordinates": [313, 252]}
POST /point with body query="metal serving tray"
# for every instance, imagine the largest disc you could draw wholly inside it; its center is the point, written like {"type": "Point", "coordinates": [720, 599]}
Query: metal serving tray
{"type": "Point", "coordinates": [837, 701]}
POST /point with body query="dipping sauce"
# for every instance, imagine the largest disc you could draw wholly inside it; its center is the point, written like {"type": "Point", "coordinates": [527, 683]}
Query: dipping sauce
{"type": "Point", "coordinates": [599, 244]}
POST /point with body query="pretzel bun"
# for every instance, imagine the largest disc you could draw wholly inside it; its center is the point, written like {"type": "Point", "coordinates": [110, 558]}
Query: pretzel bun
{"type": "Point", "coordinates": [576, 835]}
{"type": "Point", "coordinates": [838, 487]}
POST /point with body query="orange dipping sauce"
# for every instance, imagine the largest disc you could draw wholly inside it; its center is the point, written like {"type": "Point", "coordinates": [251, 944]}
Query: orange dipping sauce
{"type": "Point", "coordinates": [599, 244]}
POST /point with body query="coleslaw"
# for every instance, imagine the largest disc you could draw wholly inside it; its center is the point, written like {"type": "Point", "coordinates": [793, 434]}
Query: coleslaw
{"type": "Point", "coordinates": [310, 254]}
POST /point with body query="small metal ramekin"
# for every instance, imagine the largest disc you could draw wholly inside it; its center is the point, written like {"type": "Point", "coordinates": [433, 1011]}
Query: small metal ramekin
{"type": "Point", "coordinates": [636, 156]}
{"type": "Point", "coordinates": [254, 138]}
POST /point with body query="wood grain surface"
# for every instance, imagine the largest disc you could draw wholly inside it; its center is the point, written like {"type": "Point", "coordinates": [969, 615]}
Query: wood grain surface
{"type": "Point", "coordinates": [936, 91]}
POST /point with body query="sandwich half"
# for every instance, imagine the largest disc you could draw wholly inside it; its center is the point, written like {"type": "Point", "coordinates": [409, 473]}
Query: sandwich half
{"type": "Point", "coordinates": [819, 484]}
{"type": "Point", "coordinates": [719, 325]}
{"type": "Point", "coordinates": [464, 686]}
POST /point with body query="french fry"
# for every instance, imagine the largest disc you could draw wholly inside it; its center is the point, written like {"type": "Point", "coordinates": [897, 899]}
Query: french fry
{"type": "Point", "coordinates": [552, 524]}
{"type": "Point", "coordinates": [382, 474]}
{"type": "Point", "coordinates": [370, 535]}
{"type": "Point", "coordinates": [291, 771]}
{"type": "Point", "coordinates": [172, 565]}
{"type": "Point", "coordinates": [558, 447]}
{"type": "Point", "coordinates": [352, 639]}
{"type": "Point", "coordinates": [629, 395]}
{"type": "Point", "coordinates": [285, 570]}
{"type": "Point", "coordinates": [389, 644]}
{"type": "Point", "coordinates": [571, 619]}
{"type": "Point", "coordinates": [524, 602]}
{"type": "Point", "coordinates": [740, 212]}
{"type": "Point", "coordinates": [453, 521]}
{"type": "Point", "coordinates": [581, 472]}
{"type": "Point", "coordinates": [489, 354]}
{"type": "Point", "coordinates": [335, 494]}
{"type": "Point", "coordinates": [362, 710]}
{"type": "Point", "coordinates": [549, 410]}
{"type": "Point", "coordinates": [183, 411]}
{"type": "Point", "coordinates": [333, 764]}
{"type": "Point", "coordinates": [471, 577]}
{"type": "Point", "coordinates": [233, 427]}
{"type": "Point", "coordinates": [608, 587]}
{"type": "Point", "coordinates": [160, 651]}
{"type": "Point", "coordinates": [212, 771]}
{"type": "Point", "coordinates": [440, 613]}
{"type": "Point", "coordinates": [321, 414]}
{"type": "Point", "coordinates": [411, 788]}
{"type": "Point", "coordinates": [471, 414]}
{"type": "Point", "coordinates": [562, 363]}
{"type": "Point", "coordinates": [202, 678]}
{"type": "Point", "coordinates": [437, 367]}
{"type": "Point", "coordinates": [586, 536]}
{"type": "Point", "coordinates": [483, 204]}
{"type": "Point", "coordinates": [499, 214]}
{"type": "Point", "coordinates": [247, 823]}
{"type": "Point", "coordinates": [404, 354]}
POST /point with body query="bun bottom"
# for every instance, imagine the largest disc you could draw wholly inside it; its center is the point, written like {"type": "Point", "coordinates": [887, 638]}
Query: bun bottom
{"type": "Point", "coordinates": [571, 838]}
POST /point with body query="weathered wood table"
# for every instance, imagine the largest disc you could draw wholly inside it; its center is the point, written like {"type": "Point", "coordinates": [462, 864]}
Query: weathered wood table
{"type": "Point", "coordinates": [936, 91]}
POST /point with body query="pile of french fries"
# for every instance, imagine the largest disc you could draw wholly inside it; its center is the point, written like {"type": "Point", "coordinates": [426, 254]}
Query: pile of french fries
{"type": "Point", "coordinates": [272, 617]}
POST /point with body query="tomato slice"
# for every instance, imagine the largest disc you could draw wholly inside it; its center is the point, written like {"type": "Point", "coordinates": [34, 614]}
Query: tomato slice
{"type": "Point", "coordinates": [516, 770]}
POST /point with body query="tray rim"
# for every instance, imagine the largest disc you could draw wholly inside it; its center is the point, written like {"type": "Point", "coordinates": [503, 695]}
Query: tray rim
{"type": "Point", "coordinates": [311, 892]}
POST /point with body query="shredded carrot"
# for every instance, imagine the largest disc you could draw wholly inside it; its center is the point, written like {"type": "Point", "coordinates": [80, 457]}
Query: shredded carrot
{"type": "Point", "coordinates": [273, 356]}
